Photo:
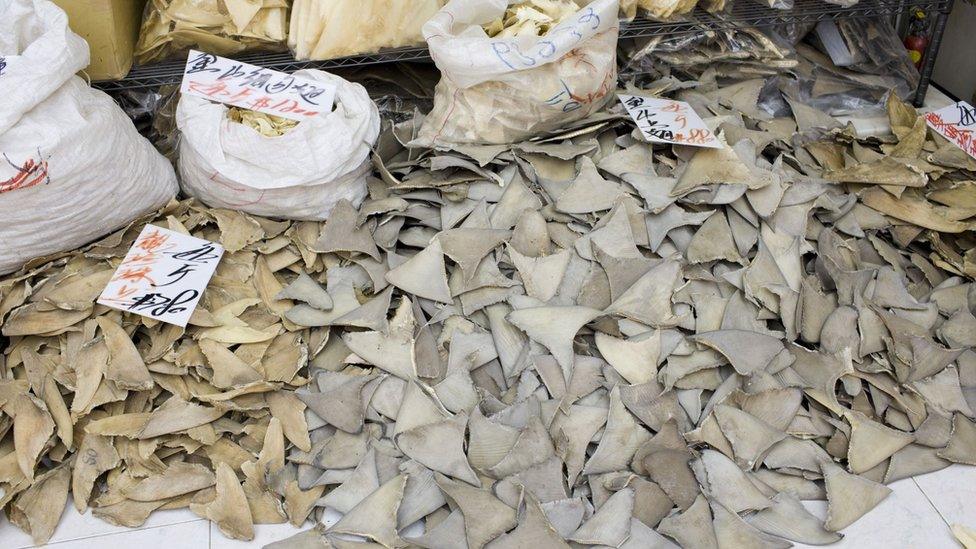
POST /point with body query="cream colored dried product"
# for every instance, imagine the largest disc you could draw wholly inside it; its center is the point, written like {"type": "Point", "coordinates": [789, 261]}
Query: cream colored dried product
{"type": "Point", "coordinates": [267, 125]}
{"type": "Point", "coordinates": [664, 9]}
{"type": "Point", "coordinates": [326, 29]}
{"type": "Point", "coordinates": [531, 18]}
{"type": "Point", "coordinates": [220, 27]}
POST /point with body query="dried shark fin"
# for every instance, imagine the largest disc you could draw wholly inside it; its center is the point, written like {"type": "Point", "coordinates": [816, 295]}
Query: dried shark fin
{"type": "Point", "coordinates": [733, 532]}
{"type": "Point", "coordinates": [691, 527]}
{"type": "Point", "coordinates": [343, 233]}
{"type": "Point", "coordinates": [610, 524]}
{"type": "Point", "coordinates": [747, 352]}
{"type": "Point", "coordinates": [621, 439]}
{"type": "Point", "coordinates": [423, 275]}
{"type": "Point", "coordinates": [636, 359]}
{"type": "Point", "coordinates": [849, 496]}
{"type": "Point", "coordinates": [962, 443]}
{"type": "Point", "coordinates": [375, 516]}
{"type": "Point", "coordinates": [485, 516]}
{"type": "Point", "coordinates": [788, 519]}
{"type": "Point", "coordinates": [229, 510]}
{"type": "Point", "coordinates": [533, 530]}
{"type": "Point", "coordinates": [554, 327]}
{"type": "Point", "coordinates": [305, 289]}
{"type": "Point", "coordinates": [871, 442]}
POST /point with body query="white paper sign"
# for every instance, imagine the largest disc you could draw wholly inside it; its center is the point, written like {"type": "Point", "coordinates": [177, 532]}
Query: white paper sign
{"type": "Point", "coordinates": [255, 88]}
{"type": "Point", "coordinates": [667, 121]}
{"type": "Point", "coordinates": [957, 123]}
{"type": "Point", "coordinates": [163, 275]}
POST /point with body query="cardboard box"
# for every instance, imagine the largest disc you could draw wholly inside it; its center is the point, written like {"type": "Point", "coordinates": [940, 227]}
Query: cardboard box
{"type": "Point", "coordinates": [111, 28]}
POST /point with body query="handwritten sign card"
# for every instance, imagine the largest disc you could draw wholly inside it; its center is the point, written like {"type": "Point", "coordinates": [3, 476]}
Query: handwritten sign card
{"type": "Point", "coordinates": [255, 88]}
{"type": "Point", "coordinates": [667, 121]}
{"type": "Point", "coordinates": [957, 123]}
{"type": "Point", "coordinates": [163, 275]}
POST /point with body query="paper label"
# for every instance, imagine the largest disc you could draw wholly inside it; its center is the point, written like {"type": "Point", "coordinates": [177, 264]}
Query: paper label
{"type": "Point", "coordinates": [957, 123]}
{"type": "Point", "coordinates": [667, 121]}
{"type": "Point", "coordinates": [255, 88]}
{"type": "Point", "coordinates": [163, 275]}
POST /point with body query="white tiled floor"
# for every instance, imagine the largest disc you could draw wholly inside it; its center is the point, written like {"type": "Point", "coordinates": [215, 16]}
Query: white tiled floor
{"type": "Point", "coordinates": [914, 516]}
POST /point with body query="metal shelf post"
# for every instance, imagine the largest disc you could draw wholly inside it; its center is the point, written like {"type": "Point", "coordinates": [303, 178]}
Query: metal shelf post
{"type": "Point", "coordinates": [931, 53]}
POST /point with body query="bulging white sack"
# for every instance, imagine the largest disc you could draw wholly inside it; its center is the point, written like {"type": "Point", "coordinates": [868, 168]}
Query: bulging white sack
{"type": "Point", "coordinates": [299, 175]}
{"type": "Point", "coordinates": [73, 167]}
{"type": "Point", "coordinates": [503, 90]}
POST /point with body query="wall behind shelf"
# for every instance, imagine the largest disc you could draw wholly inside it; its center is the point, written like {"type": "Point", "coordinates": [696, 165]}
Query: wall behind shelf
{"type": "Point", "coordinates": [955, 68]}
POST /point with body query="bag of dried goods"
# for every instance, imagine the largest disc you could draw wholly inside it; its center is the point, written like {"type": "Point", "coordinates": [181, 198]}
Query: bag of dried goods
{"type": "Point", "coordinates": [665, 9]}
{"type": "Point", "coordinates": [326, 29]}
{"type": "Point", "coordinates": [220, 27]}
{"type": "Point", "coordinates": [512, 70]}
{"type": "Point", "coordinates": [73, 166]}
{"type": "Point", "coordinates": [269, 166]}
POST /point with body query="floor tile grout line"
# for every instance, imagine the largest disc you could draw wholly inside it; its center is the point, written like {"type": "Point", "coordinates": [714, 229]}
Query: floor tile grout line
{"type": "Point", "coordinates": [928, 499]}
{"type": "Point", "coordinates": [126, 531]}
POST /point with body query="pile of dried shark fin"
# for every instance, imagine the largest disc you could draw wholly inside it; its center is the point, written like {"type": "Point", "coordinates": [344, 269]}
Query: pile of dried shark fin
{"type": "Point", "coordinates": [133, 415]}
{"type": "Point", "coordinates": [629, 346]}
{"type": "Point", "coordinates": [583, 340]}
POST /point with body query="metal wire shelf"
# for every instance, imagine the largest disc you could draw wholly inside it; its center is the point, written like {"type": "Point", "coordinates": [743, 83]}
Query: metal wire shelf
{"type": "Point", "coordinates": [743, 14]}
{"type": "Point", "coordinates": [749, 13]}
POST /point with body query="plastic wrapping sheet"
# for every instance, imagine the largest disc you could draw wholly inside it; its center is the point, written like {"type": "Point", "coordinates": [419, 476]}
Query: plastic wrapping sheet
{"type": "Point", "coordinates": [727, 52]}
{"type": "Point", "coordinates": [400, 90]}
{"type": "Point", "coordinates": [794, 60]}
{"type": "Point", "coordinates": [882, 66]}
{"type": "Point", "coordinates": [221, 27]}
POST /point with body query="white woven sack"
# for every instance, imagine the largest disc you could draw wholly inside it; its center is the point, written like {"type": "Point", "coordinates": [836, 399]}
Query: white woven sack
{"type": "Point", "coordinates": [299, 175]}
{"type": "Point", "coordinates": [73, 167]}
{"type": "Point", "coordinates": [503, 90]}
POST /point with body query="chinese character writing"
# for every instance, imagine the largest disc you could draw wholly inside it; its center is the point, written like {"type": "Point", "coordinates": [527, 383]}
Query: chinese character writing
{"type": "Point", "coordinates": [201, 63]}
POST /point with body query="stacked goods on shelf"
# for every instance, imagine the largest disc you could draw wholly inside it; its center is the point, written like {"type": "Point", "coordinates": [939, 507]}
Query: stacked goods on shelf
{"type": "Point", "coordinates": [325, 29]}
{"type": "Point", "coordinates": [665, 9]}
{"type": "Point", "coordinates": [729, 52]}
{"type": "Point", "coordinates": [500, 90]}
{"type": "Point", "coordinates": [221, 27]}
{"type": "Point", "coordinates": [74, 167]}
{"type": "Point", "coordinates": [111, 28]}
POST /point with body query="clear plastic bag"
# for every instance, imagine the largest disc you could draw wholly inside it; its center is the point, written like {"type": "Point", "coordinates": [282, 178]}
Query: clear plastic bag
{"type": "Point", "coordinates": [881, 66]}
{"type": "Point", "coordinates": [222, 27]}
{"type": "Point", "coordinates": [725, 51]}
